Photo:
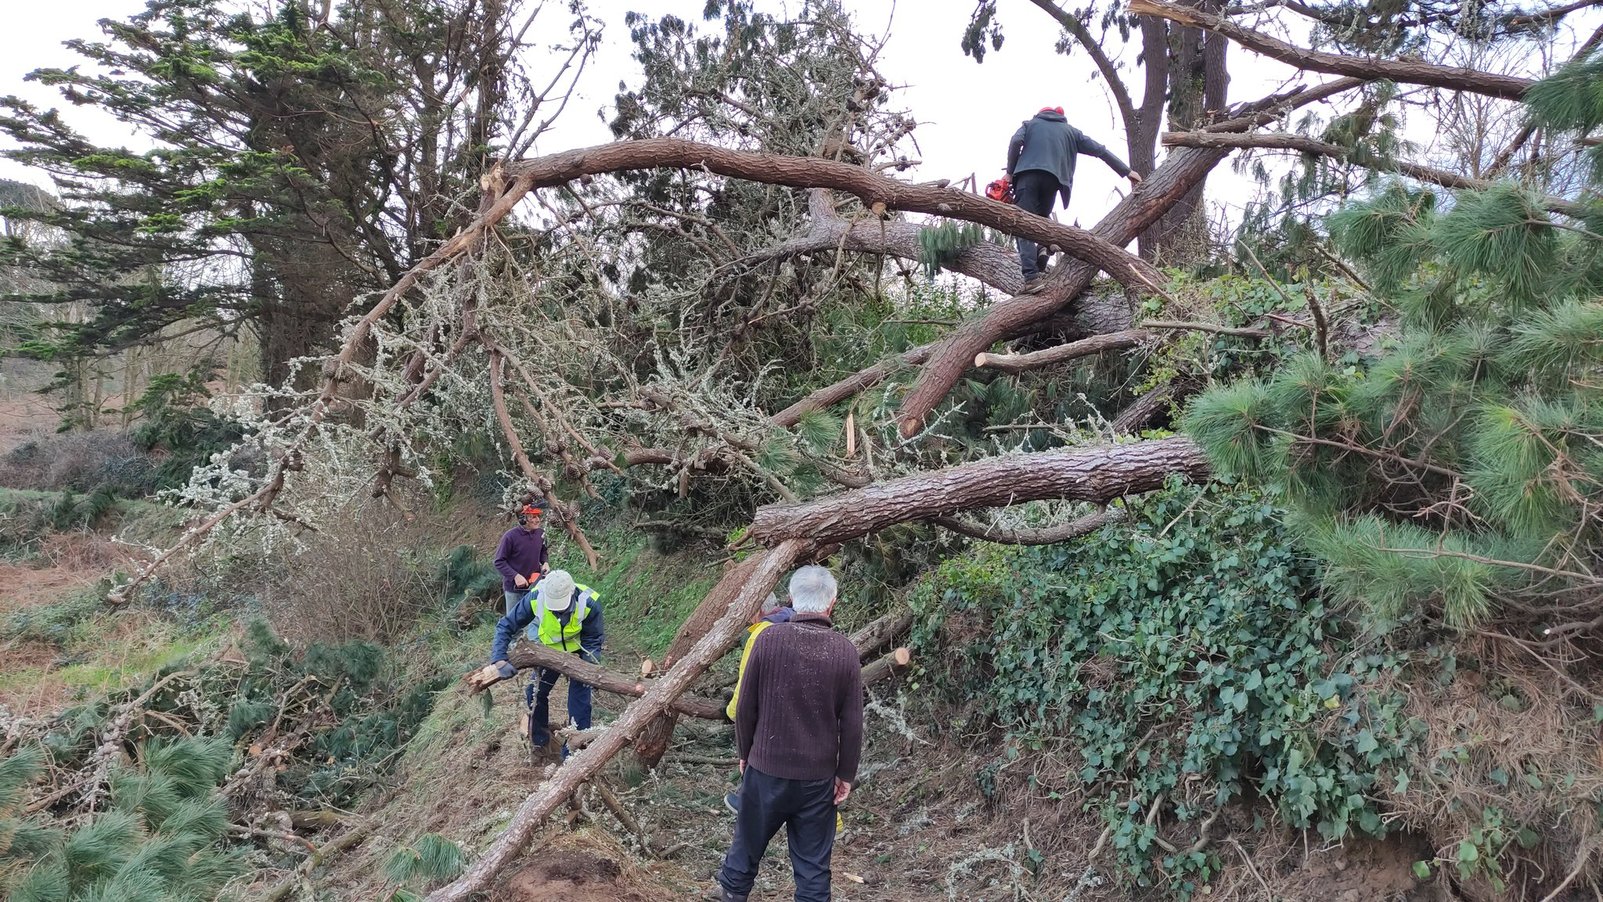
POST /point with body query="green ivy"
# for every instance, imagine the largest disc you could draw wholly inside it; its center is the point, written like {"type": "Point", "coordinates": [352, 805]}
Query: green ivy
{"type": "Point", "coordinates": [1187, 658]}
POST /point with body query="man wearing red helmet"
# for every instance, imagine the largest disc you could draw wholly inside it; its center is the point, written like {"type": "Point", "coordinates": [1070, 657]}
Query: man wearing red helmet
{"type": "Point", "coordinates": [521, 556]}
{"type": "Point", "coordinates": [1040, 164]}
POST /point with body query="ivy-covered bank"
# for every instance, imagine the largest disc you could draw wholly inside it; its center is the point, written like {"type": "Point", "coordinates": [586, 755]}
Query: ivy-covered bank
{"type": "Point", "coordinates": [1186, 660]}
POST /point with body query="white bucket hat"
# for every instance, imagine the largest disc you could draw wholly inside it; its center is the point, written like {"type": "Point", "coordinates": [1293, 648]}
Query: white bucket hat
{"type": "Point", "coordinates": [556, 591]}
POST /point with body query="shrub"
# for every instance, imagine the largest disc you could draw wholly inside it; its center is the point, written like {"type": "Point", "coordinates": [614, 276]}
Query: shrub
{"type": "Point", "coordinates": [84, 462]}
{"type": "Point", "coordinates": [371, 579]}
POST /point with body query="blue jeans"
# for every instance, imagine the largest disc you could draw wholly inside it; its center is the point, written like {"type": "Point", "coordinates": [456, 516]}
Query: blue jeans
{"type": "Point", "coordinates": [1034, 191]}
{"type": "Point", "coordinates": [540, 714]}
{"type": "Point", "coordinates": [806, 809]}
{"type": "Point", "coordinates": [513, 596]}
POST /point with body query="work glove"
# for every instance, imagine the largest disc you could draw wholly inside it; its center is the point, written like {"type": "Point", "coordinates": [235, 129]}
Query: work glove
{"type": "Point", "coordinates": [490, 674]}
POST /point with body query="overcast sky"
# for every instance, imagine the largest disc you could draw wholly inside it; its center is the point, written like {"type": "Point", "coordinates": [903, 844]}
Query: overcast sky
{"type": "Point", "coordinates": [966, 111]}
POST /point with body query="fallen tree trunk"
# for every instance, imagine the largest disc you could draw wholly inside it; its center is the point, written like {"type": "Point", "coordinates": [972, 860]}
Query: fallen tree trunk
{"type": "Point", "coordinates": [1099, 474]}
{"type": "Point", "coordinates": [745, 587]}
{"type": "Point", "coordinates": [892, 664]}
{"type": "Point", "coordinates": [655, 736]}
{"type": "Point", "coordinates": [830, 232]}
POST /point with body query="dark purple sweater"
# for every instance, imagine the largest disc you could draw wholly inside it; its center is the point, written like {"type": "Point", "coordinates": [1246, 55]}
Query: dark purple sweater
{"type": "Point", "coordinates": [519, 552]}
{"type": "Point", "coordinates": [800, 715]}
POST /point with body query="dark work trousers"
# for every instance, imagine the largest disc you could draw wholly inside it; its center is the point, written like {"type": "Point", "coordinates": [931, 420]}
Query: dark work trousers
{"type": "Point", "coordinates": [1034, 191]}
{"type": "Point", "coordinates": [539, 716]}
{"type": "Point", "coordinates": [806, 809]}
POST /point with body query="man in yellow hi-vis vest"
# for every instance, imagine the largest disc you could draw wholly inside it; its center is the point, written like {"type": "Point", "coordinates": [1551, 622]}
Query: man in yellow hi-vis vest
{"type": "Point", "coordinates": [561, 614]}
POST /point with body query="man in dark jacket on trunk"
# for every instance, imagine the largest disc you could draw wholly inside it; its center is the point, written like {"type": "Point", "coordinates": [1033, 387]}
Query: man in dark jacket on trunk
{"type": "Point", "coordinates": [799, 729]}
{"type": "Point", "coordinates": [1040, 164]}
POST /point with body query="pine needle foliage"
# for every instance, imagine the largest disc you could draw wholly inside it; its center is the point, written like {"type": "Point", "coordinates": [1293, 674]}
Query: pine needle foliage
{"type": "Point", "coordinates": [160, 840]}
{"type": "Point", "coordinates": [430, 859]}
{"type": "Point", "coordinates": [939, 245]}
{"type": "Point", "coordinates": [1459, 472]}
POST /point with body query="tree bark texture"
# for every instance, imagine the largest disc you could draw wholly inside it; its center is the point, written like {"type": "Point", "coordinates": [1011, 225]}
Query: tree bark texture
{"type": "Point", "coordinates": [1045, 535]}
{"type": "Point", "coordinates": [882, 632]}
{"type": "Point", "coordinates": [745, 589]}
{"type": "Point", "coordinates": [1099, 474]}
{"type": "Point", "coordinates": [878, 192]}
{"type": "Point", "coordinates": [1407, 71]}
{"type": "Point", "coordinates": [892, 664]}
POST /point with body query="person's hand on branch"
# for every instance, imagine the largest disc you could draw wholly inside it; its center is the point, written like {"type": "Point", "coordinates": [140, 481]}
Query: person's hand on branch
{"type": "Point", "coordinates": [842, 790]}
{"type": "Point", "coordinates": [1134, 177]}
{"type": "Point", "coordinates": [490, 674]}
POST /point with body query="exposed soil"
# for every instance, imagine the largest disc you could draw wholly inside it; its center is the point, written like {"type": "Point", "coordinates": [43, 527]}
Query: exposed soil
{"type": "Point", "coordinates": [565, 873]}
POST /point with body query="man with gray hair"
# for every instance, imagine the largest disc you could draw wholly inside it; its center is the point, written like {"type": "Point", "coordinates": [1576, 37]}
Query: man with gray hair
{"type": "Point", "coordinates": [799, 731]}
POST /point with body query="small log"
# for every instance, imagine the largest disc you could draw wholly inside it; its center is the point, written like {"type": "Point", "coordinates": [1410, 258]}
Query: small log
{"type": "Point", "coordinates": [525, 655]}
{"type": "Point", "coordinates": [882, 632]}
{"type": "Point", "coordinates": [891, 665]}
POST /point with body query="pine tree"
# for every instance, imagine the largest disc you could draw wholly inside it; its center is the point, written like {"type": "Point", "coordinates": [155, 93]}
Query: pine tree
{"type": "Point", "coordinates": [1460, 473]}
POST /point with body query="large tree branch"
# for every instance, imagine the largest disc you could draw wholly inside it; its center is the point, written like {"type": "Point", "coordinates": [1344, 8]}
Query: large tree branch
{"type": "Point", "coordinates": [526, 655]}
{"type": "Point", "coordinates": [878, 192]}
{"type": "Point", "coordinates": [830, 232]}
{"type": "Point", "coordinates": [1407, 71]}
{"type": "Point", "coordinates": [1099, 474]}
{"type": "Point", "coordinates": [1303, 144]}
{"type": "Point", "coordinates": [1133, 215]}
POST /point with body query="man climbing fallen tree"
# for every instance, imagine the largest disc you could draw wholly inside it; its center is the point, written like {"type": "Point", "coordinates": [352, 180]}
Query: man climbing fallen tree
{"type": "Point", "coordinates": [799, 730]}
{"type": "Point", "coordinates": [559, 614]}
{"type": "Point", "coordinates": [1040, 165]}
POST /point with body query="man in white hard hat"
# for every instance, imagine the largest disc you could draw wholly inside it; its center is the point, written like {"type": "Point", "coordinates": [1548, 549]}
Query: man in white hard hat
{"type": "Point", "coordinates": [560, 614]}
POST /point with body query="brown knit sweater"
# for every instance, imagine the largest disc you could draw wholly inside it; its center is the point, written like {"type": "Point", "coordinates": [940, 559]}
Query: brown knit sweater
{"type": "Point", "coordinates": [800, 715]}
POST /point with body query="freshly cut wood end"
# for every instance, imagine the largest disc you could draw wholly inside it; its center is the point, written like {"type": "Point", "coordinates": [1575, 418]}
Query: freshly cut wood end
{"type": "Point", "coordinates": [646, 667]}
{"type": "Point", "coordinates": [981, 359]}
{"type": "Point", "coordinates": [902, 656]}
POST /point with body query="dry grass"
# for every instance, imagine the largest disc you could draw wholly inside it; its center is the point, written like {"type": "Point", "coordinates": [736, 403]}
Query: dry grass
{"type": "Point", "coordinates": [1515, 736]}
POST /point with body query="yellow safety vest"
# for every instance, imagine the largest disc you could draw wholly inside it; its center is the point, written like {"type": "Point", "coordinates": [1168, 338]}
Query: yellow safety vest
{"type": "Point", "coordinates": [548, 630]}
{"type": "Point", "coordinates": [754, 631]}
